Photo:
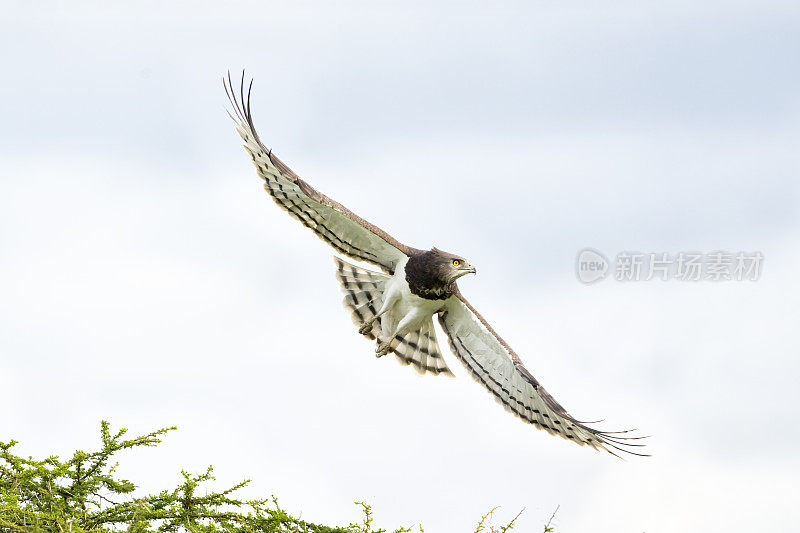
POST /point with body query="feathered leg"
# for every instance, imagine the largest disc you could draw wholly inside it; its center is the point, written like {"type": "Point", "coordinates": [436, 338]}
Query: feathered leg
{"type": "Point", "coordinates": [390, 299]}
{"type": "Point", "coordinates": [410, 322]}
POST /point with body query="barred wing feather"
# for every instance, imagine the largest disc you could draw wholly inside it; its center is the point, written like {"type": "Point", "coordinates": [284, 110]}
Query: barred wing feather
{"type": "Point", "coordinates": [494, 364]}
{"type": "Point", "coordinates": [345, 231]}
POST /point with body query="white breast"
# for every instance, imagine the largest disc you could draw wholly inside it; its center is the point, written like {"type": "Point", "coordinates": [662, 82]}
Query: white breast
{"type": "Point", "coordinates": [404, 302]}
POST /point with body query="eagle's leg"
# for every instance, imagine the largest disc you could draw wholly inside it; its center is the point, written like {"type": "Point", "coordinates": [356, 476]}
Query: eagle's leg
{"type": "Point", "coordinates": [390, 299]}
{"type": "Point", "coordinates": [406, 324]}
{"type": "Point", "coordinates": [366, 327]}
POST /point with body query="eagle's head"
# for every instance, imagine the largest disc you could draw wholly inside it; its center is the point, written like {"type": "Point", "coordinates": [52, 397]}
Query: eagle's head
{"type": "Point", "coordinates": [432, 274]}
{"type": "Point", "coordinates": [448, 267]}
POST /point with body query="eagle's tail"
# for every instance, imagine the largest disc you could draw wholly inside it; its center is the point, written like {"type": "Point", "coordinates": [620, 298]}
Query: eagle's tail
{"type": "Point", "coordinates": [363, 291]}
{"type": "Point", "coordinates": [419, 348]}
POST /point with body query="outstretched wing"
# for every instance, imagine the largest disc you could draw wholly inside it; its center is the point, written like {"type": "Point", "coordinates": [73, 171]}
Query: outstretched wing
{"type": "Point", "coordinates": [494, 364]}
{"type": "Point", "coordinates": [345, 231]}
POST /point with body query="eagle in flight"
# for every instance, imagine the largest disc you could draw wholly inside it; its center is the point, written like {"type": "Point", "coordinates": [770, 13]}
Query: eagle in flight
{"type": "Point", "coordinates": [396, 307]}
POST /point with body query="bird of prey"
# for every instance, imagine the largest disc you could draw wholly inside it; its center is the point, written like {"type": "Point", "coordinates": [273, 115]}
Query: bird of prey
{"type": "Point", "coordinates": [396, 307]}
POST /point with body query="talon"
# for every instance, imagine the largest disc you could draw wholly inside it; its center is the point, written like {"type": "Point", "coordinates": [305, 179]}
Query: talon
{"type": "Point", "coordinates": [382, 349]}
{"type": "Point", "coordinates": [365, 328]}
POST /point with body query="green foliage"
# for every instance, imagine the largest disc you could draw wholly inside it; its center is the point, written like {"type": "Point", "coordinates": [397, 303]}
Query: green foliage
{"type": "Point", "coordinates": [83, 494]}
{"type": "Point", "coordinates": [486, 521]}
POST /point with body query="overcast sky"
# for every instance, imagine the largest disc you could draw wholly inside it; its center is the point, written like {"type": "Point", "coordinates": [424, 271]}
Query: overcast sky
{"type": "Point", "coordinates": [147, 279]}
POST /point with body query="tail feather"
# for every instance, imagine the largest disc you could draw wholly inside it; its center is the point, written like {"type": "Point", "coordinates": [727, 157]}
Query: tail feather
{"type": "Point", "coordinates": [419, 348]}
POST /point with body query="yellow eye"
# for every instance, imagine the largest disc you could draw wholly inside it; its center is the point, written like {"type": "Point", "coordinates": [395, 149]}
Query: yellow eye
{"type": "Point", "coordinates": [456, 262]}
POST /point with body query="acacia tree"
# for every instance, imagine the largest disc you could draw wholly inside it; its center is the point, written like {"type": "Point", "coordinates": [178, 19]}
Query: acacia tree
{"type": "Point", "coordinates": [83, 494]}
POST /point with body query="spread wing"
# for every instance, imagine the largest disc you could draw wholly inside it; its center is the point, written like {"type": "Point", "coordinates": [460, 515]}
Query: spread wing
{"type": "Point", "coordinates": [494, 364]}
{"type": "Point", "coordinates": [345, 231]}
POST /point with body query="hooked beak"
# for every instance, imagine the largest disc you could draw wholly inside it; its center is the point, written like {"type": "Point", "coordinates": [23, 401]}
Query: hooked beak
{"type": "Point", "coordinates": [463, 271]}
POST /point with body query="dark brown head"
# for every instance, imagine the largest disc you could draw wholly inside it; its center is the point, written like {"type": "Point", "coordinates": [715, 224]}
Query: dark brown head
{"type": "Point", "coordinates": [432, 274]}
